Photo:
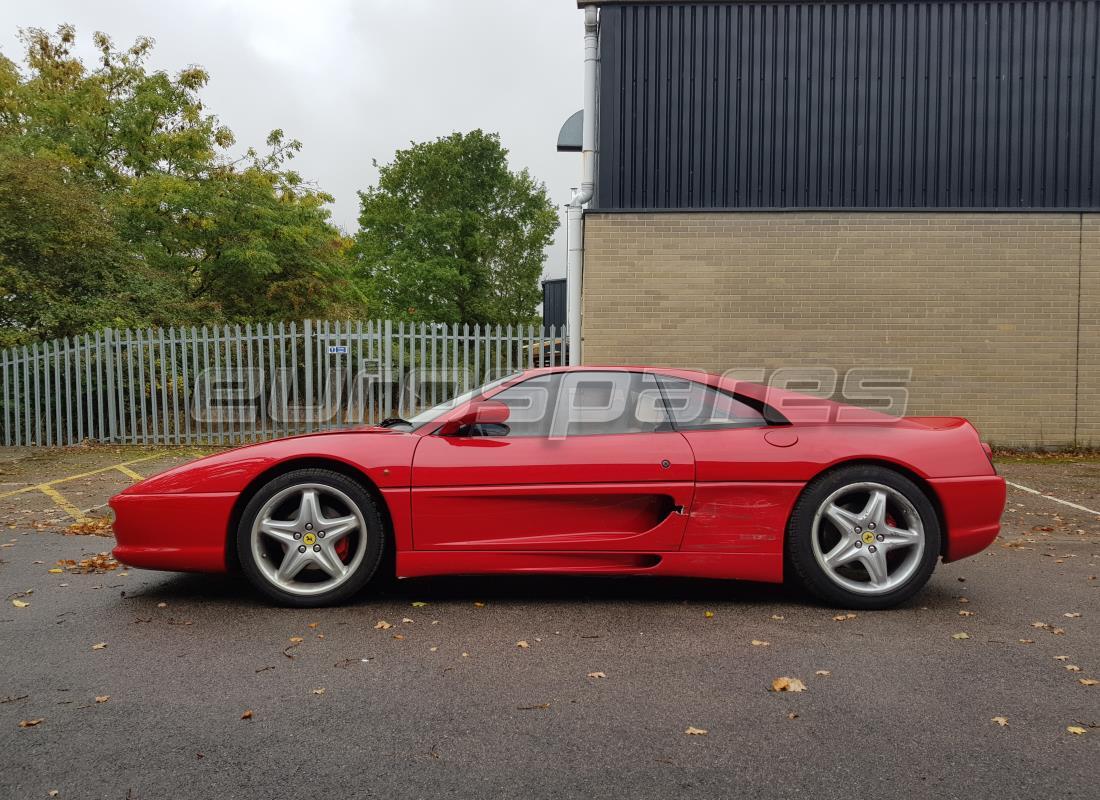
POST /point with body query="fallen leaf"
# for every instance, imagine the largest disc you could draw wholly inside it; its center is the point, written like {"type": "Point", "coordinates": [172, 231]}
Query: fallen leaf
{"type": "Point", "coordinates": [478, 604]}
{"type": "Point", "coordinates": [319, 690]}
{"type": "Point", "coordinates": [966, 613]}
{"type": "Point", "coordinates": [56, 571]}
{"type": "Point", "coordinates": [843, 617]}
{"type": "Point", "coordinates": [98, 563]}
{"type": "Point", "coordinates": [1072, 615]}
{"type": "Point", "coordinates": [30, 723]}
{"type": "Point", "coordinates": [792, 715]}
{"type": "Point", "coordinates": [100, 646]}
{"type": "Point", "coordinates": [1073, 668]}
{"type": "Point", "coordinates": [1061, 658]}
{"type": "Point", "coordinates": [596, 675]}
{"type": "Point", "coordinates": [823, 672]}
{"type": "Point", "coordinates": [777, 616]}
{"type": "Point", "coordinates": [399, 636]}
{"type": "Point", "coordinates": [419, 604]}
{"type": "Point", "coordinates": [102, 698]}
{"type": "Point", "coordinates": [1076, 730]}
{"type": "Point", "coordinates": [788, 685]}
{"type": "Point", "coordinates": [960, 636]}
{"type": "Point", "coordinates": [313, 625]}
{"type": "Point", "coordinates": [1057, 631]}
{"type": "Point", "coordinates": [760, 643]}
{"type": "Point", "coordinates": [964, 599]}
{"type": "Point", "coordinates": [465, 655]}
{"type": "Point", "coordinates": [296, 640]}
{"type": "Point", "coordinates": [19, 603]}
{"type": "Point", "coordinates": [53, 792]}
{"type": "Point", "coordinates": [247, 714]}
{"type": "Point", "coordinates": [162, 605]}
{"type": "Point", "coordinates": [1002, 721]}
{"type": "Point", "coordinates": [99, 526]}
{"type": "Point", "coordinates": [1039, 625]}
{"type": "Point", "coordinates": [382, 625]}
{"type": "Point", "coordinates": [406, 620]}
{"type": "Point", "coordinates": [696, 731]}
{"type": "Point", "coordinates": [1026, 641]}
{"type": "Point", "coordinates": [708, 614]}
{"type": "Point", "coordinates": [1087, 681]}
{"type": "Point", "coordinates": [522, 643]}
{"type": "Point", "coordinates": [433, 649]}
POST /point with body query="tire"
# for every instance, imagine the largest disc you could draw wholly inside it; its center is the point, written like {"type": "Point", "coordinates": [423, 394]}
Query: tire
{"type": "Point", "coordinates": [327, 548]}
{"type": "Point", "coordinates": [863, 537]}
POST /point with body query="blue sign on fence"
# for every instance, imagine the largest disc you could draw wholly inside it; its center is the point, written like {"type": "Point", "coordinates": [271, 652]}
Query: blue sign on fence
{"type": "Point", "coordinates": [338, 349]}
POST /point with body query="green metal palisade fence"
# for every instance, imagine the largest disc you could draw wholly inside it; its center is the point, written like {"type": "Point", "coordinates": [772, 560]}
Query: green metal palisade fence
{"type": "Point", "coordinates": [243, 383]}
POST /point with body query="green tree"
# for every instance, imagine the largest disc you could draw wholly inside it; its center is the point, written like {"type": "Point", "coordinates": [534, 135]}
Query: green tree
{"type": "Point", "coordinates": [63, 267]}
{"type": "Point", "coordinates": [143, 172]}
{"type": "Point", "coordinates": [450, 234]}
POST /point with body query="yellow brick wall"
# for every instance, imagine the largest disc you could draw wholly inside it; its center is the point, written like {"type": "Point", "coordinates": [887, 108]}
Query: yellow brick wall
{"type": "Point", "coordinates": [1088, 388]}
{"type": "Point", "coordinates": [983, 307]}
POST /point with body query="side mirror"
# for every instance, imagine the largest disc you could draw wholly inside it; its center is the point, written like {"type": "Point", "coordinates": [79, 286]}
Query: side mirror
{"type": "Point", "coordinates": [485, 412]}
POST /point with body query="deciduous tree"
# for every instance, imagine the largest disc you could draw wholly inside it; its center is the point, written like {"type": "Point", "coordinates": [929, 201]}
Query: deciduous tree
{"type": "Point", "coordinates": [451, 234]}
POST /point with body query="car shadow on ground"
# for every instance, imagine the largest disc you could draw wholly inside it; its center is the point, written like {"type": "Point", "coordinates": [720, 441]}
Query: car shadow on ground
{"type": "Point", "coordinates": [233, 590]}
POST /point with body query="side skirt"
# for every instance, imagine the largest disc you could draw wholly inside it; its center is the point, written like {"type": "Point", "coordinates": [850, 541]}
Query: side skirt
{"type": "Point", "coordinates": [764, 567]}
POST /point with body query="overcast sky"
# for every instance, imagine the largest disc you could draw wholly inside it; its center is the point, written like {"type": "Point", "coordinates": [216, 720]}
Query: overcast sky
{"type": "Point", "coordinates": [356, 79]}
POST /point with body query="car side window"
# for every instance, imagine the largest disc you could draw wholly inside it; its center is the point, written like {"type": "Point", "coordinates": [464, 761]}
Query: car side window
{"type": "Point", "coordinates": [593, 403]}
{"type": "Point", "coordinates": [695, 406]}
{"type": "Point", "coordinates": [584, 403]}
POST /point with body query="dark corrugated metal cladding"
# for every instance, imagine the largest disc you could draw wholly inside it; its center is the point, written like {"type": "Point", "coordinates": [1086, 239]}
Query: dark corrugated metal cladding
{"type": "Point", "coordinates": [961, 104]}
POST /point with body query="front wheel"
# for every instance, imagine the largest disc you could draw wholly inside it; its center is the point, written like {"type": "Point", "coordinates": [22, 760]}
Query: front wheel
{"type": "Point", "coordinates": [863, 537]}
{"type": "Point", "coordinates": [309, 538]}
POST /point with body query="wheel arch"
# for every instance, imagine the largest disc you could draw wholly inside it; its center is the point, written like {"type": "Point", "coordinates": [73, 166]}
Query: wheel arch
{"type": "Point", "coordinates": [232, 561]}
{"type": "Point", "coordinates": [893, 466]}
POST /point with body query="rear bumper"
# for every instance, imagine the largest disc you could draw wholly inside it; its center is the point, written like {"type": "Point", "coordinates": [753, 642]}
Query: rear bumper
{"type": "Point", "coordinates": [972, 509]}
{"type": "Point", "coordinates": [177, 532]}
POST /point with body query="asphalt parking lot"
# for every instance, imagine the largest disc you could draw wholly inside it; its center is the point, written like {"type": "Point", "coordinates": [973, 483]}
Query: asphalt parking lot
{"type": "Point", "coordinates": [118, 683]}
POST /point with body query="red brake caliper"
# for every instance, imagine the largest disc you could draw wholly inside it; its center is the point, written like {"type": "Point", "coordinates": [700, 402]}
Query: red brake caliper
{"type": "Point", "coordinates": [342, 549]}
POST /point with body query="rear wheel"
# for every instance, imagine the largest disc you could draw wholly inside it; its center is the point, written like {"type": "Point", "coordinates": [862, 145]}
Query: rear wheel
{"type": "Point", "coordinates": [311, 537]}
{"type": "Point", "coordinates": [863, 537]}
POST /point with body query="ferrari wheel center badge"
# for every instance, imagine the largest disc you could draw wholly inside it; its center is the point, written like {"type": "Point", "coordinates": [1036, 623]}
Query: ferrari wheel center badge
{"type": "Point", "coordinates": [309, 540]}
{"type": "Point", "coordinates": [868, 537]}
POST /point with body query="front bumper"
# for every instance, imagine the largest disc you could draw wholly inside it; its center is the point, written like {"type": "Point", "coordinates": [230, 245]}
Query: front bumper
{"type": "Point", "coordinates": [177, 532]}
{"type": "Point", "coordinates": [972, 509]}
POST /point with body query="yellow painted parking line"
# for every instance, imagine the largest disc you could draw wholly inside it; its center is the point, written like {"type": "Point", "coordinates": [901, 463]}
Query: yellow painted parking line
{"type": "Point", "coordinates": [88, 474]}
{"type": "Point", "coordinates": [125, 470]}
{"type": "Point", "coordinates": [60, 500]}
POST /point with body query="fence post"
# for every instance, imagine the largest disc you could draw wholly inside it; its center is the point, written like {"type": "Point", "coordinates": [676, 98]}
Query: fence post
{"type": "Point", "coordinates": [387, 374]}
{"type": "Point", "coordinates": [307, 331]}
{"type": "Point", "coordinates": [108, 347]}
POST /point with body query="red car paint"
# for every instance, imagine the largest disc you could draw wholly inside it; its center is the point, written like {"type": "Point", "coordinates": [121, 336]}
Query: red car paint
{"type": "Point", "coordinates": [696, 503]}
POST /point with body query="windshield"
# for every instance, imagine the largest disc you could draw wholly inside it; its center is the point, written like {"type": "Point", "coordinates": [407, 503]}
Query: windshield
{"type": "Point", "coordinates": [430, 415]}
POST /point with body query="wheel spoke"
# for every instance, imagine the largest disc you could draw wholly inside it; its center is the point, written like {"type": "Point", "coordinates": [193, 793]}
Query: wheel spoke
{"type": "Point", "coordinates": [875, 510]}
{"type": "Point", "coordinates": [894, 538]}
{"type": "Point", "coordinates": [327, 560]}
{"type": "Point", "coordinates": [336, 529]}
{"type": "Point", "coordinates": [843, 553]}
{"type": "Point", "coordinates": [844, 520]}
{"type": "Point", "coordinates": [876, 566]}
{"type": "Point", "coordinates": [280, 530]}
{"type": "Point", "coordinates": [309, 511]}
{"type": "Point", "coordinates": [292, 564]}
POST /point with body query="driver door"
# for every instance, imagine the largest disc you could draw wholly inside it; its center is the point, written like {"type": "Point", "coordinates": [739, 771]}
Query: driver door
{"type": "Point", "coordinates": [587, 460]}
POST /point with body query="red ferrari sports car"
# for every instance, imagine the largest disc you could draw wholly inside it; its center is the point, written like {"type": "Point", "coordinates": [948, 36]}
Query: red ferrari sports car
{"type": "Point", "coordinates": [594, 470]}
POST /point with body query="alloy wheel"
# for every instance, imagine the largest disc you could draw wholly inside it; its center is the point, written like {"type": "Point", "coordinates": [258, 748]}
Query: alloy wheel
{"type": "Point", "coordinates": [308, 539]}
{"type": "Point", "coordinates": [868, 538]}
